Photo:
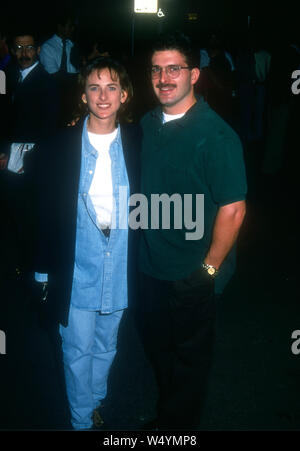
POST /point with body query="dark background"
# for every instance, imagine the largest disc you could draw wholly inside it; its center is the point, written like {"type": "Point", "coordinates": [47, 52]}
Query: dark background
{"type": "Point", "coordinates": [114, 18]}
{"type": "Point", "coordinates": [255, 381]}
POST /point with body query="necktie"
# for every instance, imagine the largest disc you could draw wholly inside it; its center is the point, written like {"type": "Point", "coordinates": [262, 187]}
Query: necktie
{"type": "Point", "coordinates": [19, 81]}
{"type": "Point", "coordinates": [63, 63]}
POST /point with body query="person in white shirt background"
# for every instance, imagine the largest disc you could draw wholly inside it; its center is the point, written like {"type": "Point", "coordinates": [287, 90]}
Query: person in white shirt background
{"type": "Point", "coordinates": [60, 57]}
{"type": "Point", "coordinates": [52, 50]}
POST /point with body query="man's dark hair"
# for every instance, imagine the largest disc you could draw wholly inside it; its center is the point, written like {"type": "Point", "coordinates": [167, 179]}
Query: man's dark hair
{"type": "Point", "coordinates": [180, 42]}
{"type": "Point", "coordinates": [23, 32]}
{"type": "Point", "coordinates": [117, 70]}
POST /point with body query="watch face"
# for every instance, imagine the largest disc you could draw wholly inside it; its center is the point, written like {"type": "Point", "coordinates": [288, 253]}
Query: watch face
{"type": "Point", "coordinates": [211, 271]}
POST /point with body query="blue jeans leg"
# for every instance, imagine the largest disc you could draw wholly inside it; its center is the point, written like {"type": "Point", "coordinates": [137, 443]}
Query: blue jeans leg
{"type": "Point", "coordinates": [104, 351]}
{"type": "Point", "coordinates": [89, 346]}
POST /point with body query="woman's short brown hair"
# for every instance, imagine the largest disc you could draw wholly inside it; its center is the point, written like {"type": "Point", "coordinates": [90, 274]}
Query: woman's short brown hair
{"type": "Point", "coordinates": [117, 71]}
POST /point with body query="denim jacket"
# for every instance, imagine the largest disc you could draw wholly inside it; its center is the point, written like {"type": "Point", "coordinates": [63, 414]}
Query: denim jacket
{"type": "Point", "coordinates": [100, 270]}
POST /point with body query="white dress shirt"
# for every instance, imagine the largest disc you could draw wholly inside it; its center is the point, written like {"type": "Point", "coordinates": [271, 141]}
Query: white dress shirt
{"type": "Point", "coordinates": [17, 150]}
{"type": "Point", "coordinates": [51, 53]}
{"type": "Point", "coordinates": [205, 59]}
{"type": "Point", "coordinates": [26, 71]}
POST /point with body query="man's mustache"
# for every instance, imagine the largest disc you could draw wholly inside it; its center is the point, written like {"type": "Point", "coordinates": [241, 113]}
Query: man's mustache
{"type": "Point", "coordinates": [165, 85]}
{"type": "Point", "coordinates": [24, 59]}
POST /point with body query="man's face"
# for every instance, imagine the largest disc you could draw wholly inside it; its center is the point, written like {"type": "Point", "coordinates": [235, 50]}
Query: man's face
{"type": "Point", "coordinates": [176, 95]}
{"type": "Point", "coordinates": [66, 30]}
{"type": "Point", "coordinates": [25, 51]}
{"type": "Point", "coordinates": [103, 95]}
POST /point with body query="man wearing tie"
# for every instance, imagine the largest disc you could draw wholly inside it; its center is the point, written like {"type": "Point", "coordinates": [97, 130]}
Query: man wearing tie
{"type": "Point", "coordinates": [32, 116]}
{"type": "Point", "coordinates": [60, 58]}
{"type": "Point", "coordinates": [56, 52]}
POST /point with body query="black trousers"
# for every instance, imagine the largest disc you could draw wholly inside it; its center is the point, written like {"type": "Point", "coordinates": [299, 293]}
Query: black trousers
{"type": "Point", "coordinates": [17, 197]}
{"type": "Point", "coordinates": [176, 322]}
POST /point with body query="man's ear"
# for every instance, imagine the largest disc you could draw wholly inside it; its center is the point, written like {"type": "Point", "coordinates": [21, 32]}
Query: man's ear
{"type": "Point", "coordinates": [83, 98]}
{"type": "Point", "coordinates": [38, 50]}
{"type": "Point", "coordinates": [195, 74]}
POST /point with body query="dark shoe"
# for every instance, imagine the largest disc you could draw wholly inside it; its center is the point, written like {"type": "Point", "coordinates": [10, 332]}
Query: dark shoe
{"type": "Point", "coordinates": [98, 421]}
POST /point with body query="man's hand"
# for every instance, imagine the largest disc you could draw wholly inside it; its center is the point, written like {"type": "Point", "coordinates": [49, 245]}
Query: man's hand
{"type": "Point", "coordinates": [40, 292]}
{"type": "Point", "coordinates": [44, 291]}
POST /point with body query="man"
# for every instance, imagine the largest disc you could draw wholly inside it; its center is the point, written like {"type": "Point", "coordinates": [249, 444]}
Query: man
{"type": "Point", "coordinates": [60, 58]}
{"type": "Point", "coordinates": [32, 114]}
{"type": "Point", "coordinates": [56, 52]}
{"type": "Point", "coordinates": [187, 150]}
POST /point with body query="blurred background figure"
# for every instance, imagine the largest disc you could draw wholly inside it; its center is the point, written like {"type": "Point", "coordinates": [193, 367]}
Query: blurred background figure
{"type": "Point", "coordinates": [217, 83]}
{"type": "Point", "coordinates": [91, 46]}
{"type": "Point", "coordinates": [60, 57]}
{"type": "Point", "coordinates": [252, 69]}
{"type": "Point", "coordinates": [32, 107]}
{"type": "Point", "coordinates": [4, 52]}
{"type": "Point", "coordinates": [282, 102]}
{"type": "Point", "coordinates": [56, 52]}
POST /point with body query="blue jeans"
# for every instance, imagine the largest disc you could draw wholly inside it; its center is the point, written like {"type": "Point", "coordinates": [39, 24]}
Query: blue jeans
{"type": "Point", "coordinates": [89, 346]}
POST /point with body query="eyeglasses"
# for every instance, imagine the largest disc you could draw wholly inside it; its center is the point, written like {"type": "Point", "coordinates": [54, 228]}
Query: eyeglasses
{"type": "Point", "coordinates": [173, 70]}
{"type": "Point", "coordinates": [19, 48]}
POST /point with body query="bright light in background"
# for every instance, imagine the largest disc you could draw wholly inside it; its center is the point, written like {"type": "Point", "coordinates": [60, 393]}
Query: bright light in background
{"type": "Point", "coordinates": [145, 6]}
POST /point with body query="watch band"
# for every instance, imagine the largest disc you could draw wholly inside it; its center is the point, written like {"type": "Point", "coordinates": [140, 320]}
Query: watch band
{"type": "Point", "coordinates": [210, 269]}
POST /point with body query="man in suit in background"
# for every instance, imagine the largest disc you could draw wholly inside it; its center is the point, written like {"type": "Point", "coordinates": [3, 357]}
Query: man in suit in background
{"type": "Point", "coordinates": [32, 112]}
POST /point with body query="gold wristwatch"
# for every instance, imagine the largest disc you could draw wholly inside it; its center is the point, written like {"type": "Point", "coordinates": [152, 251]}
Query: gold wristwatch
{"type": "Point", "coordinates": [210, 269]}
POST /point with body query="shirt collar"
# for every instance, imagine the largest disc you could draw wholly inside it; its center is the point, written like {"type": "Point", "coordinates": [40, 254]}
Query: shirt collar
{"type": "Point", "coordinates": [59, 40]}
{"type": "Point", "coordinates": [87, 147]}
{"type": "Point", "coordinates": [26, 71]}
{"type": "Point", "coordinates": [158, 112]}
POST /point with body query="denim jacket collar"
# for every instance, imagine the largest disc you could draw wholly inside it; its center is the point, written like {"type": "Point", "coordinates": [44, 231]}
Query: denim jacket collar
{"type": "Point", "coordinates": [87, 146]}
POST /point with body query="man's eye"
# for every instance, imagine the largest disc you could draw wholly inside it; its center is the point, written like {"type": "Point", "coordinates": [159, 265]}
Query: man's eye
{"type": "Point", "coordinates": [155, 69]}
{"type": "Point", "coordinates": [112, 88]}
{"type": "Point", "coordinates": [174, 69]}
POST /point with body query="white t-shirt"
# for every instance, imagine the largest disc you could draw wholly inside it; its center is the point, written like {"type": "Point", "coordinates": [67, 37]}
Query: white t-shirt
{"type": "Point", "coordinates": [101, 189]}
{"type": "Point", "coordinates": [171, 117]}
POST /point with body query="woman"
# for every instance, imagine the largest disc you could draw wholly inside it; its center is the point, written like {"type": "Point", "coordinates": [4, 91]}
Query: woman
{"type": "Point", "coordinates": [85, 177]}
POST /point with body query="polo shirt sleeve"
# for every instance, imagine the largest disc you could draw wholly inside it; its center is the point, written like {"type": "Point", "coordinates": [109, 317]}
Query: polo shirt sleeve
{"type": "Point", "coordinates": [226, 174]}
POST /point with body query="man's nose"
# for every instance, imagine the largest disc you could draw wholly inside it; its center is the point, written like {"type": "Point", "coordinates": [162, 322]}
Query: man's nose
{"type": "Point", "coordinates": [24, 51]}
{"type": "Point", "coordinates": [163, 75]}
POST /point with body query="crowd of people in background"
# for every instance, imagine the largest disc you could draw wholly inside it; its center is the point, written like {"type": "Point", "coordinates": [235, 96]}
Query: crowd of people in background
{"type": "Point", "coordinates": [245, 77]}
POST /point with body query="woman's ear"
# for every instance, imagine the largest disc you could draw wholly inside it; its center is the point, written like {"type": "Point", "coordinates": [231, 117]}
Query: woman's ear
{"type": "Point", "coordinates": [83, 98]}
{"type": "Point", "coordinates": [124, 96]}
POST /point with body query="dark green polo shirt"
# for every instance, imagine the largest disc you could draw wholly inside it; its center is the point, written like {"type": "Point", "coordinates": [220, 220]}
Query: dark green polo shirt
{"type": "Point", "coordinates": [196, 154]}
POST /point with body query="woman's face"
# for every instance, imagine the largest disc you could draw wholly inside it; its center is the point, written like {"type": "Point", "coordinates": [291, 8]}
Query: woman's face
{"type": "Point", "coordinates": [103, 94]}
